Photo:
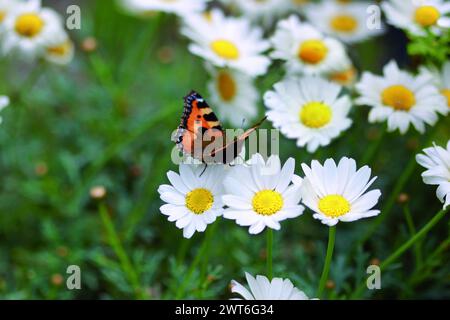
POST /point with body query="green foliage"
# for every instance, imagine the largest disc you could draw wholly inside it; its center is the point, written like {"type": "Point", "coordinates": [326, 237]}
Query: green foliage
{"type": "Point", "coordinates": [432, 48]}
{"type": "Point", "coordinates": [107, 119]}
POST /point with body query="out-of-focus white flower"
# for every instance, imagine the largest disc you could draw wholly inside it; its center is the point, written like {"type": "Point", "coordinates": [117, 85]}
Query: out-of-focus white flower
{"type": "Point", "coordinates": [441, 79]}
{"type": "Point", "coordinates": [305, 49]}
{"type": "Point", "coordinates": [29, 28]}
{"type": "Point", "coordinates": [233, 94]}
{"type": "Point", "coordinates": [437, 162]}
{"type": "Point", "coordinates": [194, 199]}
{"type": "Point", "coordinates": [347, 22]}
{"type": "Point", "coordinates": [60, 50]}
{"type": "Point", "coordinates": [266, 11]}
{"type": "Point", "coordinates": [263, 289]}
{"type": "Point", "coordinates": [6, 6]}
{"type": "Point", "coordinates": [338, 192]}
{"type": "Point", "coordinates": [228, 42]}
{"type": "Point", "coordinates": [309, 109]}
{"type": "Point", "coordinates": [345, 74]}
{"type": "Point", "coordinates": [401, 98]}
{"type": "Point", "coordinates": [179, 7]}
{"type": "Point", "coordinates": [416, 15]}
{"type": "Point", "coordinates": [261, 195]}
{"type": "Point", "coordinates": [4, 102]}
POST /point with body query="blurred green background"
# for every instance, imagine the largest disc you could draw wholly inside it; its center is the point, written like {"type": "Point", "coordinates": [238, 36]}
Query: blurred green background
{"type": "Point", "coordinates": [106, 119]}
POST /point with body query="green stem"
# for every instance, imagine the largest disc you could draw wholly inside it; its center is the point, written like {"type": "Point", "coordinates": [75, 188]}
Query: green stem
{"type": "Point", "coordinates": [116, 245]}
{"type": "Point", "coordinates": [438, 216]}
{"type": "Point", "coordinates": [412, 231]}
{"type": "Point", "coordinates": [198, 258]}
{"type": "Point", "coordinates": [326, 267]}
{"type": "Point", "coordinates": [269, 253]}
{"type": "Point", "coordinates": [402, 249]}
{"type": "Point", "coordinates": [387, 208]}
{"type": "Point", "coordinates": [428, 265]}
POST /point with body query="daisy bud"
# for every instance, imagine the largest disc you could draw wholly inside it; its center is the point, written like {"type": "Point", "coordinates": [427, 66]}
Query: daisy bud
{"type": "Point", "coordinates": [330, 284]}
{"type": "Point", "coordinates": [403, 198]}
{"type": "Point", "coordinates": [41, 169]}
{"type": "Point", "coordinates": [89, 44]}
{"type": "Point", "coordinates": [97, 192]}
{"type": "Point", "coordinates": [57, 279]}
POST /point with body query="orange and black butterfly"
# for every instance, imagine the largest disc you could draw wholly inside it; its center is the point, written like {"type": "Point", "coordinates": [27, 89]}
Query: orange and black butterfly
{"type": "Point", "coordinates": [201, 136]}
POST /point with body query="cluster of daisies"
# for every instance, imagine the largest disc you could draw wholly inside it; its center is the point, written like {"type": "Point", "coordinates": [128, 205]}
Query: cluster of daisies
{"type": "Point", "coordinates": [33, 32]}
{"type": "Point", "coordinates": [239, 41]}
{"type": "Point", "coordinates": [260, 194]}
{"type": "Point", "coordinates": [313, 101]}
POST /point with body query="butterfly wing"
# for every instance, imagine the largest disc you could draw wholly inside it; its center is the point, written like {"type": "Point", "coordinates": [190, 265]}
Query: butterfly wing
{"type": "Point", "coordinates": [199, 126]}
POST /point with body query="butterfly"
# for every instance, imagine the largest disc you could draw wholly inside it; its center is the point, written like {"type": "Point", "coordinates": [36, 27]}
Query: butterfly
{"type": "Point", "coordinates": [201, 136]}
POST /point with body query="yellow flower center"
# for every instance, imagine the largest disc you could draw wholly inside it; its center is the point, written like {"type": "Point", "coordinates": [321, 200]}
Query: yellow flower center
{"type": "Point", "coordinates": [398, 97]}
{"type": "Point", "coordinates": [427, 16]}
{"type": "Point", "coordinates": [2, 15]}
{"type": "Point", "coordinates": [446, 93]}
{"type": "Point", "coordinates": [334, 205]}
{"type": "Point", "coordinates": [344, 77]}
{"type": "Point", "coordinates": [226, 86]}
{"type": "Point", "coordinates": [199, 200]}
{"type": "Point", "coordinates": [344, 1]}
{"type": "Point", "coordinates": [315, 114]}
{"type": "Point", "coordinates": [344, 23]}
{"type": "Point", "coordinates": [312, 51]}
{"type": "Point", "coordinates": [225, 49]}
{"type": "Point", "coordinates": [60, 50]}
{"type": "Point", "coordinates": [29, 25]}
{"type": "Point", "coordinates": [267, 202]}
{"type": "Point", "coordinates": [208, 16]}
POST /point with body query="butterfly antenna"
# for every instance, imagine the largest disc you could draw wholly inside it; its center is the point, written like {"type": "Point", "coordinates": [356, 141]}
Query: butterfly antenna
{"type": "Point", "coordinates": [260, 122]}
{"type": "Point", "coordinates": [204, 169]}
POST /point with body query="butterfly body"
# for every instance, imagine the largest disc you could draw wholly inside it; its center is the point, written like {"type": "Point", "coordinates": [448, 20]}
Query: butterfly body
{"type": "Point", "coordinates": [201, 136]}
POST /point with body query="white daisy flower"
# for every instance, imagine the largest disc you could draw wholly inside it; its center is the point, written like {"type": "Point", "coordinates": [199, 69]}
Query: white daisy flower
{"type": "Point", "coordinates": [29, 28]}
{"type": "Point", "coordinates": [262, 11]}
{"type": "Point", "coordinates": [401, 98]}
{"type": "Point", "coordinates": [304, 48]}
{"type": "Point", "coordinates": [416, 15]}
{"type": "Point", "coordinates": [178, 7]}
{"type": "Point", "coordinates": [347, 22]}
{"type": "Point", "coordinates": [309, 109]}
{"type": "Point", "coordinates": [261, 195]}
{"type": "Point", "coordinates": [441, 79]}
{"type": "Point", "coordinates": [263, 289]}
{"type": "Point", "coordinates": [338, 193]}
{"type": "Point", "coordinates": [228, 42]}
{"type": "Point", "coordinates": [345, 76]}
{"type": "Point", "coordinates": [194, 199]}
{"type": "Point", "coordinates": [4, 102]}
{"type": "Point", "coordinates": [233, 94]}
{"type": "Point", "coordinates": [437, 162]}
{"type": "Point", "coordinates": [6, 6]}
{"type": "Point", "coordinates": [60, 50]}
